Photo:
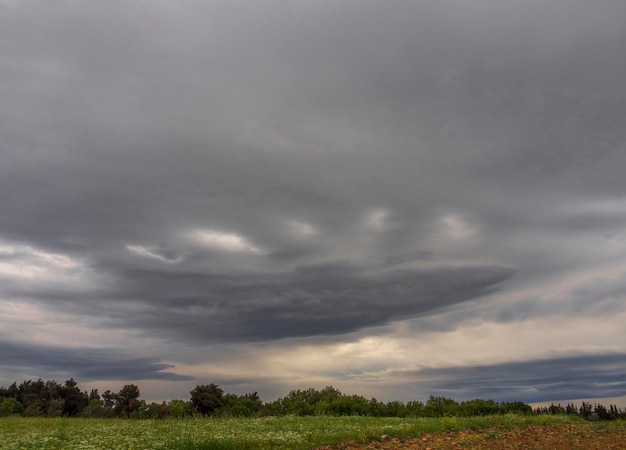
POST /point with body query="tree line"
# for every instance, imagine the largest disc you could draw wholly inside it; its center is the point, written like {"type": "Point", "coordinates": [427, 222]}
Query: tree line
{"type": "Point", "coordinates": [586, 410]}
{"type": "Point", "coordinates": [51, 399]}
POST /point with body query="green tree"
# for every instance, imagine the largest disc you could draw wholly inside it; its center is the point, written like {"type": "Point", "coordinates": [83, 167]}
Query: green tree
{"type": "Point", "coordinates": [516, 408]}
{"type": "Point", "coordinates": [31, 393]}
{"type": "Point", "coordinates": [109, 399]}
{"type": "Point", "coordinates": [414, 409]}
{"type": "Point", "coordinates": [206, 399]}
{"type": "Point", "coordinates": [440, 406]}
{"type": "Point", "coordinates": [154, 410]}
{"type": "Point", "coordinates": [52, 400]}
{"type": "Point", "coordinates": [300, 402]}
{"type": "Point", "coordinates": [95, 395]}
{"type": "Point", "coordinates": [12, 391]}
{"type": "Point", "coordinates": [353, 405]}
{"type": "Point", "coordinates": [479, 407]}
{"type": "Point", "coordinates": [329, 394]}
{"type": "Point", "coordinates": [10, 406]}
{"type": "Point", "coordinates": [394, 409]}
{"type": "Point", "coordinates": [179, 408]}
{"type": "Point", "coordinates": [74, 400]}
{"type": "Point", "coordinates": [95, 409]}
{"type": "Point", "coordinates": [127, 400]}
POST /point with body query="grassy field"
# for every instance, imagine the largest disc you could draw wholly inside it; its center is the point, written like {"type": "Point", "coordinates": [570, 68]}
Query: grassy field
{"type": "Point", "coordinates": [263, 433]}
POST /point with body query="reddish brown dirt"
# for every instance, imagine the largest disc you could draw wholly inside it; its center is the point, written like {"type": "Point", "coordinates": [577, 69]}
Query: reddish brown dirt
{"type": "Point", "coordinates": [544, 437]}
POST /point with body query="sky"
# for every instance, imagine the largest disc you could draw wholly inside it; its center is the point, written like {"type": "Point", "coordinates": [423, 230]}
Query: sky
{"type": "Point", "coordinates": [397, 198]}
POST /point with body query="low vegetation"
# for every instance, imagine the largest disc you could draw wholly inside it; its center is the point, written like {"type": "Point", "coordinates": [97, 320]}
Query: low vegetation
{"type": "Point", "coordinates": [288, 432]}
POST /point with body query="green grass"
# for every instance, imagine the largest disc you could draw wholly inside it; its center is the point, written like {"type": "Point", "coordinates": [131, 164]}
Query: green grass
{"type": "Point", "coordinates": [220, 434]}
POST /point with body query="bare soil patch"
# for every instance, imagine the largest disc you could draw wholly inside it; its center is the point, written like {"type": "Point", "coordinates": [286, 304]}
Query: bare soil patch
{"type": "Point", "coordinates": [537, 437]}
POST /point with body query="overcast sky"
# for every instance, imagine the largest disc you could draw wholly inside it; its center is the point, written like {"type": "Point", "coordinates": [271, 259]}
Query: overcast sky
{"type": "Point", "coordinates": [396, 198]}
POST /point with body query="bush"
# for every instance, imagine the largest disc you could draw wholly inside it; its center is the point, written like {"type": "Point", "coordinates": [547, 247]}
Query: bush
{"type": "Point", "coordinates": [95, 410]}
{"type": "Point", "coordinates": [10, 406]}
{"type": "Point", "coordinates": [34, 410]}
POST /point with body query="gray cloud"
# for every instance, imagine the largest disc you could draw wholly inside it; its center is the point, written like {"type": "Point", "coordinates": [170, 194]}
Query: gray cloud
{"type": "Point", "coordinates": [85, 364]}
{"type": "Point", "coordinates": [322, 299]}
{"type": "Point", "coordinates": [237, 171]}
{"type": "Point", "coordinates": [326, 299]}
{"type": "Point", "coordinates": [560, 378]}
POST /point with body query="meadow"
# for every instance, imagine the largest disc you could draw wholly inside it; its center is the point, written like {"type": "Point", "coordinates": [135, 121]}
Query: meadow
{"type": "Point", "coordinates": [289, 432]}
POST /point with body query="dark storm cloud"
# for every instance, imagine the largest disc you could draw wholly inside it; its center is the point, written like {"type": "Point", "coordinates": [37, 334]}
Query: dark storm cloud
{"type": "Point", "coordinates": [322, 299]}
{"type": "Point", "coordinates": [313, 300]}
{"type": "Point", "coordinates": [84, 364]}
{"type": "Point", "coordinates": [560, 378]}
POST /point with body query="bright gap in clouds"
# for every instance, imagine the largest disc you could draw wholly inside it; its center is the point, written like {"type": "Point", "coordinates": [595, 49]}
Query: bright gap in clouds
{"type": "Point", "coordinates": [302, 229]}
{"type": "Point", "coordinates": [227, 242]}
{"type": "Point", "coordinates": [148, 253]}
{"type": "Point", "coordinates": [23, 261]}
{"type": "Point", "coordinates": [378, 220]}
{"type": "Point", "coordinates": [457, 228]}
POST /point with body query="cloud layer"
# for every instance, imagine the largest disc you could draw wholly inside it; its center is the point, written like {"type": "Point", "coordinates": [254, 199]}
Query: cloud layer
{"type": "Point", "coordinates": [206, 184]}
